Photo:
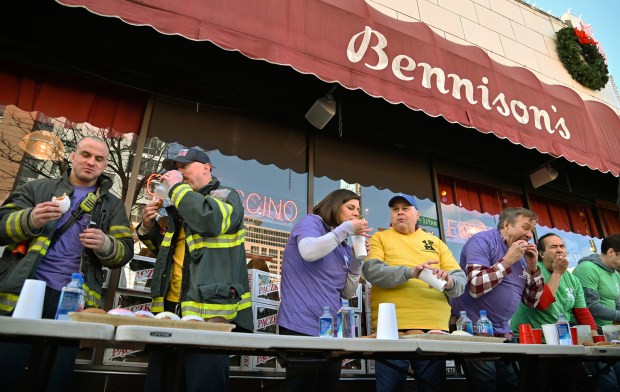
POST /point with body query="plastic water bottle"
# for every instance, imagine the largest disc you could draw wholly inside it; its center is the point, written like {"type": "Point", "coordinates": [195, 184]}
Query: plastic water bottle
{"type": "Point", "coordinates": [72, 297]}
{"type": "Point", "coordinates": [464, 323]}
{"type": "Point", "coordinates": [563, 327]}
{"type": "Point", "coordinates": [484, 326]}
{"type": "Point", "coordinates": [345, 321]}
{"type": "Point", "coordinates": [326, 324]}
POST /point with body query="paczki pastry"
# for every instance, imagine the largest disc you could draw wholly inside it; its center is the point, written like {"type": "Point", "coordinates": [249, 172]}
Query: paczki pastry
{"type": "Point", "coordinates": [63, 201]}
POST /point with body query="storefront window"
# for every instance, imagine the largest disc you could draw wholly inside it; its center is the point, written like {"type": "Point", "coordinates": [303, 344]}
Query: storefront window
{"type": "Point", "coordinates": [374, 204]}
{"type": "Point", "coordinates": [469, 208]}
{"type": "Point", "coordinates": [577, 245]}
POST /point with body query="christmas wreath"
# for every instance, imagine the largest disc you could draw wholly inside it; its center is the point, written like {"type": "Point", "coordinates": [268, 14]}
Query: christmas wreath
{"type": "Point", "coordinates": [581, 58]}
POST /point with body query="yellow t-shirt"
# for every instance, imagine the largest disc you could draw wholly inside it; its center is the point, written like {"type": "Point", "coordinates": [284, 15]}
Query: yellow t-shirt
{"type": "Point", "coordinates": [174, 291]}
{"type": "Point", "coordinates": [417, 305]}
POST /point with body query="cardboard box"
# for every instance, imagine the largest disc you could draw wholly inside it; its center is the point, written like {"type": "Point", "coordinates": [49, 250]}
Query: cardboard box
{"type": "Point", "coordinates": [353, 366]}
{"type": "Point", "coordinates": [127, 357]}
{"type": "Point", "coordinates": [263, 363]}
{"type": "Point", "coordinates": [264, 286]}
{"type": "Point", "coordinates": [355, 302]}
{"type": "Point", "coordinates": [367, 289]}
{"type": "Point", "coordinates": [370, 363]}
{"type": "Point", "coordinates": [265, 317]}
{"type": "Point", "coordinates": [137, 274]}
{"type": "Point", "coordinates": [132, 302]}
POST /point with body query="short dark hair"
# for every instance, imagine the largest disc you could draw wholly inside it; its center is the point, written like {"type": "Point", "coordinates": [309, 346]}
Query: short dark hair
{"type": "Point", "coordinates": [329, 208]}
{"type": "Point", "coordinates": [611, 242]}
{"type": "Point", "coordinates": [541, 241]}
{"type": "Point", "coordinates": [511, 214]}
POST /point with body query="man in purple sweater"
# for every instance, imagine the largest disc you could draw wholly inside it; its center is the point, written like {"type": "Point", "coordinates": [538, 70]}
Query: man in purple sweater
{"type": "Point", "coordinates": [501, 267]}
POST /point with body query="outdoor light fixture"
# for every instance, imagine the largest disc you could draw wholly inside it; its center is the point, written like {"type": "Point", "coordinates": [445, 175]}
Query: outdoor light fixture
{"type": "Point", "coordinates": [43, 145]}
{"type": "Point", "coordinates": [543, 176]}
{"type": "Point", "coordinates": [321, 111]}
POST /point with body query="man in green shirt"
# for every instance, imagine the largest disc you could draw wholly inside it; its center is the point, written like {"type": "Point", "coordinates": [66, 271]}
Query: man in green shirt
{"type": "Point", "coordinates": [598, 273]}
{"type": "Point", "coordinates": [562, 294]}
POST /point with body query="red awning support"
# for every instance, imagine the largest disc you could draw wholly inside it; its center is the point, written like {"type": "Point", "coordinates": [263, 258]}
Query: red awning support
{"type": "Point", "coordinates": [351, 43]}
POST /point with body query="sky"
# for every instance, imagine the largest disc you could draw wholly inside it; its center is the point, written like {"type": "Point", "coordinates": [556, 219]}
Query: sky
{"type": "Point", "coordinates": [602, 15]}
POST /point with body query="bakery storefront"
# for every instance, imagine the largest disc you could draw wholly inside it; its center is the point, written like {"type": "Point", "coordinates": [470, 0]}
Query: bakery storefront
{"type": "Point", "coordinates": [295, 99]}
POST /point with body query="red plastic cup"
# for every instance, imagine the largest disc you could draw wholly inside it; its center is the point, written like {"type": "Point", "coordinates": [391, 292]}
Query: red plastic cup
{"type": "Point", "coordinates": [525, 334]}
{"type": "Point", "coordinates": [598, 338]}
{"type": "Point", "coordinates": [573, 335]}
{"type": "Point", "coordinates": [537, 333]}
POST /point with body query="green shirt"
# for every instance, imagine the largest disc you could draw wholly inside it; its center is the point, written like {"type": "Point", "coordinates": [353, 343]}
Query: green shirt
{"type": "Point", "coordinates": [605, 282]}
{"type": "Point", "coordinates": [568, 296]}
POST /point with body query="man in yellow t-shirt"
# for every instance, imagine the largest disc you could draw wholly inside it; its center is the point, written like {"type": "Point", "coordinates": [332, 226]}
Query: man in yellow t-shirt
{"type": "Point", "coordinates": [394, 262]}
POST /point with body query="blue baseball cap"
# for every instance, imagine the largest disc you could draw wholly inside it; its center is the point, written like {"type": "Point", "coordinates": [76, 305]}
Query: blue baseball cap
{"type": "Point", "coordinates": [187, 155]}
{"type": "Point", "coordinates": [402, 197]}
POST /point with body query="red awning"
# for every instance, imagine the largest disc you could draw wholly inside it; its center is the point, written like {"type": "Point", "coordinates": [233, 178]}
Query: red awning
{"type": "Point", "coordinates": [348, 42]}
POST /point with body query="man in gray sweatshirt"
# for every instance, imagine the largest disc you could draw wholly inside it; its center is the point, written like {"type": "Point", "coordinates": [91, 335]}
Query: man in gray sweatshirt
{"type": "Point", "coordinates": [598, 274]}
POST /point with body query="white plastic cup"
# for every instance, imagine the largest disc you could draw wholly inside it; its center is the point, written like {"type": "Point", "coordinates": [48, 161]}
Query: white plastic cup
{"type": "Point", "coordinates": [387, 326]}
{"type": "Point", "coordinates": [359, 246]}
{"type": "Point", "coordinates": [161, 191]}
{"type": "Point", "coordinates": [30, 302]}
{"type": "Point", "coordinates": [550, 332]}
{"type": "Point", "coordinates": [611, 332]}
{"type": "Point", "coordinates": [430, 278]}
{"type": "Point", "coordinates": [584, 334]}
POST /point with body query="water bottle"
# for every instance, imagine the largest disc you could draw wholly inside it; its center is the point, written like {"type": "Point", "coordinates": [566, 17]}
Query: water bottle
{"type": "Point", "coordinates": [345, 321]}
{"type": "Point", "coordinates": [464, 323]}
{"type": "Point", "coordinates": [563, 327]}
{"type": "Point", "coordinates": [326, 324]}
{"type": "Point", "coordinates": [484, 327]}
{"type": "Point", "coordinates": [72, 297]}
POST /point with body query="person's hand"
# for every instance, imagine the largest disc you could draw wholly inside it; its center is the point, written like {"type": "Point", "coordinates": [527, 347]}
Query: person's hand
{"type": "Point", "coordinates": [172, 177]}
{"type": "Point", "coordinates": [516, 252]}
{"type": "Point", "coordinates": [150, 213]}
{"type": "Point", "coordinates": [45, 212]}
{"type": "Point", "coordinates": [415, 271]}
{"type": "Point", "coordinates": [559, 265]}
{"type": "Point", "coordinates": [531, 257]}
{"type": "Point", "coordinates": [92, 238]}
{"type": "Point", "coordinates": [361, 228]}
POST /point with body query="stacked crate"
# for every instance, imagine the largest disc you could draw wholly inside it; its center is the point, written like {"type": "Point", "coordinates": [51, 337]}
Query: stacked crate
{"type": "Point", "coordinates": [356, 366]}
{"type": "Point", "coordinates": [265, 289]}
{"type": "Point", "coordinates": [133, 293]}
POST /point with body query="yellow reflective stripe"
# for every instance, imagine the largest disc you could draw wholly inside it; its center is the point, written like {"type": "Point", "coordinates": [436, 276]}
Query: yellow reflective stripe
{"type": "Point", "coordinates": [14, 228]}
{"type": "Point", "coordinates": [222, 241]}
{"type": "Point", "coordinates": [227, 311]}
{"type": "Point", "coordinates": [8, 301]}
{"type": "Point", "coordinates": [120, 231]}
{"type": "Point", "coordinates": [149, 244]}
{"type": "Point", "coordinates": [93, 298]}
{"type": "Point", "coordinates": [39, 244]}
{"type": "Point", "coordinates": [246, 301]}
{"type": "Point", "coordinates": [178, 193]}
{"type": "Point", "coordinates": [120, 253]}
{"type": "Point", "coordinates": [167, 240]}
{"type": "Point", "coordinates": [157, 305]}
{"type": "Point", "coordinates": [226, 211]}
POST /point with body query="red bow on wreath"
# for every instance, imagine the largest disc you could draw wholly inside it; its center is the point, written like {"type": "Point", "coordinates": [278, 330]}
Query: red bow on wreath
{"type": "Point", "coordinates": [584, 38]}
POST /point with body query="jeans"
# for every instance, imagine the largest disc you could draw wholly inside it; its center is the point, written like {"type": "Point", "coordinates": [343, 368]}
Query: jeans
{"type": "Point", "coordinates": [430, 375]}
{"type": "Point", "coordinates": [201, 372]}
{"type": "Point", "coordinates": [310, 372]}
{"type": "Point", "coordinates": [490, 376]}
{"type": "Point", "coordinates": [605, 381]}
{"type": "Point", "coordinates": [14, 358]}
